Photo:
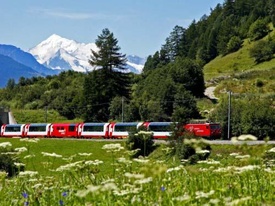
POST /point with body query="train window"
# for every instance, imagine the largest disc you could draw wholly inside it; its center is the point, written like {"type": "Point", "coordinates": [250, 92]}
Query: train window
{"type": "Point", "coordinates": [92, 128]}
{"type": "Point", "coordinates": [33, 128]}
{"type": "Point", "coordinates": [216, 126]}
{"type": "Point", "coordinates": [159, 128]}
{"type": "Point", "coordinates": [72, 128]}
{"type": "Point", "coordinates": [13, 128]}
{"type": "Point", "coordinates": [120, 128]}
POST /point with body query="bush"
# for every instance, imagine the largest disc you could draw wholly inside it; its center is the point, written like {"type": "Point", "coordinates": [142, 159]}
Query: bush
{"type": "Point", "coordinates": [258, 29]}
{"type": "Point", "coordinates": [187, 147]}
{"type": "Point", "coordinates": [8, 160]}
{"type": "Point", "coordinates": [234, 44]}
{"type": "Point", "coordinates": [262, 51]}
{"type": "Point", "coordinates": [141, 141]}
{"type": "Point", "coordinates": [269, 157]}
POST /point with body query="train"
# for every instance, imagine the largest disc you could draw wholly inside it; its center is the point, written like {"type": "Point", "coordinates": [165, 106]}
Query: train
{"type": "Point", "coordinates": [107, 130]}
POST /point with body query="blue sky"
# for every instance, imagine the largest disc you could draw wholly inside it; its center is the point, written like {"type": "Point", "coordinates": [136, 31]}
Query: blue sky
{"type": "Point", "coordinates": [141, 26]}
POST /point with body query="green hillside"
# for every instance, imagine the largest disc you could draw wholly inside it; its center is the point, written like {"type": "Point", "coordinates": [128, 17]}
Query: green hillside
{"type": "Point", "coordinates": [238, 72]}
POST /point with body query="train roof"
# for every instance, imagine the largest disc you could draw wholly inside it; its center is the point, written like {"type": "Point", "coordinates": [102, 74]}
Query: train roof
{"type": "Point", "coordinates": [160, 123]}
{"type": "Point", "coordinates": [94, 123]}
{"type": "Point", "coordinates": [39, 124]}
{"type": "Point", "coordinates": [14, 125]}
{"type": "Point", "coordinates": [127, 123]}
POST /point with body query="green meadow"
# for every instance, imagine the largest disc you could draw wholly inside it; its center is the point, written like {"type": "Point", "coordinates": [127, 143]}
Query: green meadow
{"type": "Point", "coordinates": [81, 172]}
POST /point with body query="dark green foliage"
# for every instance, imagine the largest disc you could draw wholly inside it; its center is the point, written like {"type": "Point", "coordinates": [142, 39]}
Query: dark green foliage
{"type": "Point", "coordinates": [269, 157]}
{"type": "Point", "coordinates": [258, 29]}
{"type": "Point", "coordinates": [61, 93]}
{"type": "Point", "coordinates": [7, 161]}
{"type": "Point", "coordinates": [103, 85]}
{"type": "Point", "coordinates": [234, 44]}
{"type": "Point", "coordinates": [108, 56]}
{"type": "Point", "coordinates": [262, 51]}
{"type": "Point", "coordinates": [249, 115]}
{"type": "Point", "coordinates": [142, 142]}
{"type": "Point", "coordinates": [186, 146]}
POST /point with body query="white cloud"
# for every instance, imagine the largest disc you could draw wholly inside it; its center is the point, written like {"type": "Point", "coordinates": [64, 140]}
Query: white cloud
{"type": "Point", "coordinates": [67, 14]}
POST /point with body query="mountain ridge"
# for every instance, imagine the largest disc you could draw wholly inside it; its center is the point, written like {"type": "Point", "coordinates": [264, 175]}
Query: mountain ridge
{"type": "Point", "coordinates": [56, 50]}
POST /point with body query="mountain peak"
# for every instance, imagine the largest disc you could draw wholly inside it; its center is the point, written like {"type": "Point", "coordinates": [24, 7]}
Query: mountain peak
{"type": "Point", "coordinates": [60, 53]}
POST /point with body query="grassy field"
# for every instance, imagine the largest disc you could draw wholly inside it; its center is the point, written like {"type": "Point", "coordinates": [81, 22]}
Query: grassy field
{"type": "Point", "coordinates": [71, 172]}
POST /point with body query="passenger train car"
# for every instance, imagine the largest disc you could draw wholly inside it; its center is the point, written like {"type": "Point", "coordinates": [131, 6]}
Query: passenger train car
{"type": "Point", "coordinates": [117, 130]}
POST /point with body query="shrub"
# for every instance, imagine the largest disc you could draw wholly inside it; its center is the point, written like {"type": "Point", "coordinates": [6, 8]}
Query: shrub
{"type": "Point", "coordinates": [9, 162]}
{"type": "Point", "coordinates": [269, 157]}
{"type": "Point", "coordinates": [262, 51]}
{"type": "Point", "coordinates": [234, 44]}
{"type": "Point", "coordinates": [141, 141]}
{"type": "Point", "coordinates": [258, 29]}
{"type": "Point", "coordinates": [187, 147]}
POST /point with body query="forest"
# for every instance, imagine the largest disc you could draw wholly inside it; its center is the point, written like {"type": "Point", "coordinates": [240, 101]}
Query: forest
{"type": "Point", "coordinates": [172, 82]}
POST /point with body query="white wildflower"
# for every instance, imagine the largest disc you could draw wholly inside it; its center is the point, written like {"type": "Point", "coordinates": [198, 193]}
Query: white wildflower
{"type": "Point", "coordinates": [182, 198]}
{"type": "Point", "coordinates": [46, 154]}
{"type": "Point", "coordinates": [269, 170]}
{"type": "Point", "coordinates": [141, 160]}
{"type": "Point", "coordinates": [37, 185]}
{"type": "Point", "coordinates": [109, 186]}
{"type": "Point", "coordinates": [70, 166]}
{"type": "Point", "coordinates": [85, 154]}
{"type": "Point", "coordinates": [21, 149]}
{"type": "Point", "coordinates": [234, 154]}
{"type": "Point", "coordinates": [113, 147]}
{"type": "Point", "coordinates": [210, 162]}
{"type": "Point", "coordinates": [202, 151]}
{"type": "Point", "coordinates": [29, 156]}
{"type": "Point", "coordinates": [272, 150]}
{"type": "Point", "coordinates": [247, 137]}
{"type": "Point", "coordinates": [107, 181]}
{"type": "Point", "coordinates": [135, 176]}
{"type": "Point", "coordinates": [9, 153]}
{"type": "Point", "coordinates": [234, 140]}
{"type": "Point", "coordinates": [247, 168]}
{"type": "Point", "coordinates": [93, 162]}
{"type": "Point", "coordinates": [200, 194]}
{"type": "Point", "coordinates": [34, 140]}
{"type": "Point", "coordinates": [121, 192]}
{"type": "Point", "coordinates": [174, 169]}
{"type": "Point", "coordinates": [18, 164]}
{"type": "Point", "coordinates": [90, 189]}
{"type": "Point", "coordinates": [224, 169]}
{"type": "Point", "coordinates": [214, 201]}
{"type": "Point", "coordinates": [124, 160]}
{"type": "Point", "coordinates": [5, 144]}
{"type": "Point", "coordinates": [242, 156]}
{"type": "Point", "coordinates": [28, 173]}
{"type": "Point", "coordinates": [144, 181]}
{"type": "Point", "coordinates": [238, 201]}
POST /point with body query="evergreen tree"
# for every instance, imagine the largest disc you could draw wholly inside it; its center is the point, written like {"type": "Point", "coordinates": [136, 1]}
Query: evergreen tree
{"type": "Point", "coordinates": [109, 81]}
{"type": "Point", "coordinates": [108, 56]}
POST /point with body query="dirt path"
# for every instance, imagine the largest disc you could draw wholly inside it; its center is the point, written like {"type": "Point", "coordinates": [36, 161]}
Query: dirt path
{"type": "Point", "coordinates": [209, 91]}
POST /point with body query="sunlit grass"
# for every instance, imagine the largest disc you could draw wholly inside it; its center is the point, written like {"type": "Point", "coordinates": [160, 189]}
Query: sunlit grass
{"type": "Point", "coordinates": [69, 172]}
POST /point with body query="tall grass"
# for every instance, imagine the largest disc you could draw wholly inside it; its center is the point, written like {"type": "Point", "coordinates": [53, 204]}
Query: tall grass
{"type": "Point", "coordinates": [64, 172]}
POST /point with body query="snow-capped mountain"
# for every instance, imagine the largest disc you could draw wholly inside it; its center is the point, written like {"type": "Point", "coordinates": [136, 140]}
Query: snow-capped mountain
{"type": "Point", "coordinates": [59, 53]}
{"type": "Point", "coordinates": [25, 59]}
{"type": "Point", "coordinates": [16, 63]}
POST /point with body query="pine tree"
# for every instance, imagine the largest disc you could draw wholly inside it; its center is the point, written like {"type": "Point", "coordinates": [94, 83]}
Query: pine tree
{"type": "Point", "coordinates": [108, 56]}
{"type": "Point", "coordinates": [109, 81]}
